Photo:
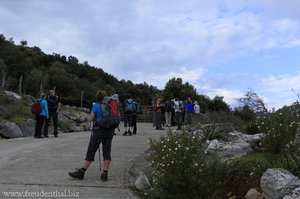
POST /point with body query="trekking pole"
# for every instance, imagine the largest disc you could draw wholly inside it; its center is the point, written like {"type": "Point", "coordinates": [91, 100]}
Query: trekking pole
{"type": "Point", "coordinates": [99, 158]}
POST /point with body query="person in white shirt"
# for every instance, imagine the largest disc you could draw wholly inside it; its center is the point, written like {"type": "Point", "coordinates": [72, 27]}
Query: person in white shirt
{"type": "Point", "coordinates": [196, 108]}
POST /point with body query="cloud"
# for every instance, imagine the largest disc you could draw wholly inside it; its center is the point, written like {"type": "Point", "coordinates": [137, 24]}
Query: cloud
{"type": "Point", "coordinates": [160, 80]}
{"type": "Point", "coordinates": [282, 83]}
{"type": "Point", "coordinates": [230, 96]}
{"type": "Point", "coordinates": [154, 41]}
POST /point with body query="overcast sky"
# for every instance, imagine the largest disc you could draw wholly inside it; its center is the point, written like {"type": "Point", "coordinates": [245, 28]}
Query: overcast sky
{"type": "Point", "coordinates": [220, 47]}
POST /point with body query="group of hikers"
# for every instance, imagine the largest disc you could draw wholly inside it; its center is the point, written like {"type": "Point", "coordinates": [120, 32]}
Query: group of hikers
{"type": "Point", "coordinates": [106, 117]}
{"type": "Point", "coordinates": [174, 112]}
{"type": "Point", "coordinates": [49, 107]}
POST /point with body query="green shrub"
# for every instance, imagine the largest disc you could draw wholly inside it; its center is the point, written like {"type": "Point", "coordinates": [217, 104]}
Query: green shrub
{"type": "Point", "coordinates": [222, 117]}
{"type": "Point", "coordinates": [291, 154]}
{"type": "Point", "coordinates": [211, 132]}
{"type": "Point", "coordinates": [182, 169]}
{"type": "Point", "coordinates": [12, 110]}
{"type": "Point", "coordinates": [279, 130]}
{"type": "Point", "coordinates": [245, 172]}
{"type": "Point", "coordinates": [73, 101]}
{"type": "Point", "coordinates": [64, 125]}
{"type": "Point", "coordinates": [252, 128]}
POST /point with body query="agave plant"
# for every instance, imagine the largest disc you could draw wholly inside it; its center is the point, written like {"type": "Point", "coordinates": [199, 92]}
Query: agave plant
{"type": "Point", "coordinates": [211, 132]}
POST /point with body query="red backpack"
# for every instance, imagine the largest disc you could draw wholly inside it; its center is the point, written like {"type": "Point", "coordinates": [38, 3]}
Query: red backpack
{"type": "Point", "coordinates": [36, 107]}
{"type": "Point", "coordinates": [110, 113]}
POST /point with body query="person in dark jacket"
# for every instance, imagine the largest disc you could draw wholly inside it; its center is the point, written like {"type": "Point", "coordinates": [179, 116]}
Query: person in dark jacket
{"type": "Point", "coordinates": [54, 107]}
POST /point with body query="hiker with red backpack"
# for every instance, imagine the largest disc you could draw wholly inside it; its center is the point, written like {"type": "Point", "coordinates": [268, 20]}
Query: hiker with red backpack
{"type": "Point", "coordinates": [41, 114]}
{"type": "Point", "coordinates": [106, 118]}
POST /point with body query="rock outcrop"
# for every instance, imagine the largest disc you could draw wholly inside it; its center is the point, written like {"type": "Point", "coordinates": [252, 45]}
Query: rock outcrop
{"type": "Point", "coordinates": [28, 127]}
{"type": "Point", "coordinates": [10, 130]}
{"type": "Point", "coordinates": [280, 184]}
{"type": "Point", "coordinates": [237, 145]}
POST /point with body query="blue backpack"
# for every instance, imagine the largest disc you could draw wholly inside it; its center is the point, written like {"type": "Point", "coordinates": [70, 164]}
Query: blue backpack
{"type": "Point", "coordinates": [130, 107]}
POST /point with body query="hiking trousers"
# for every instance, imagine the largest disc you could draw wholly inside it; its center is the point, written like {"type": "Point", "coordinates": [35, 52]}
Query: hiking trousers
{"type": "Point", "coordinates": [100, 135]}
{"type": "Point", "coordinates": [54, 117]}
{"type": "Point", "coordinates": [40, 120]}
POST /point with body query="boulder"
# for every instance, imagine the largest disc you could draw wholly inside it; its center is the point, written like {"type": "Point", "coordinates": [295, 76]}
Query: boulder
{"type": "Point", "coordinates": [86, 126]}
{"type": "Point", "coordinates": [253, 194]}
{"type": "Point", "coordinates": [241, 137]}
{"type": "Point", "coordinates": [232, 150]}
{"type": "Point", "coordinates": [142, 182]}
{"type": "Point", "coordinates": [10, 130]}
{"type": "Point", "coordinates": [81, 118]}
{"type": "Point", "coordinates": [13, 95]}
{"type": "Point", "coordinates": [213, 145]}
{"type": "Point", "coordinates": [279, 183]}
{"type": "Point", "coordinates": [295, 194]}
{"type": "Point", "coordinates": [28, 127]}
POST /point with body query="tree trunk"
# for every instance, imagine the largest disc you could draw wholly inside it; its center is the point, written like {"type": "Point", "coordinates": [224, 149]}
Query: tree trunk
{"type": "Point", "coordinates": [3, 78]}
{"type": "Point", "coordinates": [81, 98]}
{"type": "Point", "coordinates": [20, 85]}
{"type": "Point", "coordinates": [41, 87]}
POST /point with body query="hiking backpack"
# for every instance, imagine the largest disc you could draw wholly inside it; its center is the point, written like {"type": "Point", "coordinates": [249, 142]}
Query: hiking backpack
{"type": "Point", "coordinates": [36, 107]}
{"type": "Point", "coordinates": [130, 107]}
{"type": "Point", "coordinates": [110, 113]}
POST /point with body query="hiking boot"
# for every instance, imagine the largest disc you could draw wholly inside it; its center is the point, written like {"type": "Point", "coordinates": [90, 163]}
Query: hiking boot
{"type": "Point", "coordinates": [104, 176]}
{"type": "Point", "coordinates": [79, 174]}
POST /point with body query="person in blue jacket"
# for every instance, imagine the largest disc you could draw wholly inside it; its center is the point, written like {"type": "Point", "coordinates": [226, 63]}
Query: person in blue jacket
{"type": "Point", "coordinates": [99, 135]}
{"type": "Point", "coordinates": [42, 116]}
{"type": "Point", "coordinates": [189, 111]}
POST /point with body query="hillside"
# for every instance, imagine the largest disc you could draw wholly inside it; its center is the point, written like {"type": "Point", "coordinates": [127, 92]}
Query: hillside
{"type": "Point", "coordinates": [28, 70]}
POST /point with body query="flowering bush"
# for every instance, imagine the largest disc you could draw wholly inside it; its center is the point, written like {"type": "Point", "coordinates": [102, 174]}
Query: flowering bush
{"type": "Point", "coordinates": [245, 172]}
{"type": "Point", "coordinates": [182, 169]}
{"type": "Point", "coordinates": [279, 127]}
